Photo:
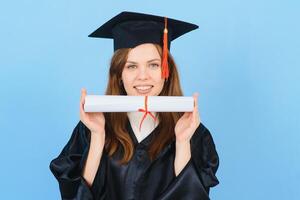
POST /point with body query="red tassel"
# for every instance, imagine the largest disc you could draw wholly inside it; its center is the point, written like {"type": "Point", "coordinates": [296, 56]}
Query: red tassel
{"type": "Point", "coordinates": [165, 66]}
{"type": "Point", "coordinates": [146, 112]}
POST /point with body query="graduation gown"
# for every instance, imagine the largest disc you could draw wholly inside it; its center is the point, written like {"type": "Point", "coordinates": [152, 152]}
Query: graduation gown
{"type": "Point", "coordinates": [140, 178]}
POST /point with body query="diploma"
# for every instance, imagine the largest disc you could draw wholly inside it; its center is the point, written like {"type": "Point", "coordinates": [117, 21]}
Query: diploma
{"type": "Point", "coordinates": [122, 103]}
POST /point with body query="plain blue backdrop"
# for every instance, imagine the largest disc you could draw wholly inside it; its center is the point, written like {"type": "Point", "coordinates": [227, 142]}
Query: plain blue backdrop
{"type": "Point", "coordinates": [243, 60]}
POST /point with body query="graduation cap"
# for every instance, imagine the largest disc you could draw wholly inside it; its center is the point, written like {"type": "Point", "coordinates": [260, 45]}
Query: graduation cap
{"type": "Point", "coordinates": [130, 29]}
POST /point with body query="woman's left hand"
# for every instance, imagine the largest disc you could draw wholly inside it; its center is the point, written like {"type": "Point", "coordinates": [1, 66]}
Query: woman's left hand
{"type": "Point", "coordinates": [188, 123]}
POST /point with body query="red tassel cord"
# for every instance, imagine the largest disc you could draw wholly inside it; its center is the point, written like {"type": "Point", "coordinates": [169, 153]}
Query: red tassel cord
{"type": "Point", "coordinates": [146, 112]}
{"type": "Point", "coordinates": [165, 66]}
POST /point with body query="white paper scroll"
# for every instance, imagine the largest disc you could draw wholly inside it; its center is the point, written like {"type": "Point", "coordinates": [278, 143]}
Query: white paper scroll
{"type": "Point", "coordinates": [118, 103]}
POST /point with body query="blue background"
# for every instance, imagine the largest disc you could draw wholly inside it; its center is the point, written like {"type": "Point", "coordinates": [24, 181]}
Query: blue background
{"type": "Point", "coordinates": [243, 60]}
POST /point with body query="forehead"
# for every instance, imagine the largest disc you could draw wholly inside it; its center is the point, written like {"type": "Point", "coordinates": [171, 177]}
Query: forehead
{"type": "Point", "coordinates": [143, 52]}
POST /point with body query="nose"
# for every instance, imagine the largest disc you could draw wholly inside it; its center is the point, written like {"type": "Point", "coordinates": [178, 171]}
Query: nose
{"type": "Point", "coordinates": [143, 73]}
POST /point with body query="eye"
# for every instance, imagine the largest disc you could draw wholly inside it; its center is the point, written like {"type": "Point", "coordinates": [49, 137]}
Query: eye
{"type": "Point", "coordinates": [154, 65]}
{"type": "Point", "coordinates": [131, 66]}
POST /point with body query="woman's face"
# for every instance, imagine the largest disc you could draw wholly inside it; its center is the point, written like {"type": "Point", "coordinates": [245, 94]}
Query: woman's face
{"type": "Point", "coordinates": [141, 75]}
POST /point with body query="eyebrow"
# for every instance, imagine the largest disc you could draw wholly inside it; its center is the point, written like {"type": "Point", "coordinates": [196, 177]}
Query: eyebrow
{"type": "Point", "coordinates": [156, 59]}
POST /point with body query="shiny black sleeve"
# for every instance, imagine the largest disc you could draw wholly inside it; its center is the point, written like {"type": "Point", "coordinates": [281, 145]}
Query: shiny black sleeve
{"type": "Point", "coordinates": [68, 166]}
{"type": "Point", "coordinates": [196, 178]}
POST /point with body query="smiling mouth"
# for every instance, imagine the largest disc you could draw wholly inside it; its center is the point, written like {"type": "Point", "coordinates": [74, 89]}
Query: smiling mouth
{"type": "Point", "coordinates": [143, 89]}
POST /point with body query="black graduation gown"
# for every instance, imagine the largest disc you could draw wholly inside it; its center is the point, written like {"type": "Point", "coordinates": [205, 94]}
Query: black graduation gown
{"type": "Point", "coordinates": [140, 178]}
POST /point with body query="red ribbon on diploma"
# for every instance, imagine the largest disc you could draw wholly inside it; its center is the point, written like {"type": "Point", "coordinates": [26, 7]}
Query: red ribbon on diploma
{"type": "Point", "coordinates": [146, 112]}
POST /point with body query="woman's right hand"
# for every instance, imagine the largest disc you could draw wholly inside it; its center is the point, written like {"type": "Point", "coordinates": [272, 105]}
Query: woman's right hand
{"type": "Point", "coordinates": [95, 121]}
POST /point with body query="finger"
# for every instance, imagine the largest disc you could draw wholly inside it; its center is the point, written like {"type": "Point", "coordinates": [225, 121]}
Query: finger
{"type": "Point", "coordinates": [187, 114]}
{"type": "Point", "coordinates": [196, 95]}
{"type": "Point", "coordinates": [196, 112]}
{"type": "Point", "coordinates": [83, 94]}
{"type": "Point", "coordinates": [82, 113]}
{"type": "Point", "coordinates": [196, 116]}
{"type": "Point", "coordinates": [82, 101]}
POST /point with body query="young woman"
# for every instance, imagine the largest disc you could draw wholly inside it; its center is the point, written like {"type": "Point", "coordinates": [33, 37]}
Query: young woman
{"type": "Point", "coordinates": [108, 157]}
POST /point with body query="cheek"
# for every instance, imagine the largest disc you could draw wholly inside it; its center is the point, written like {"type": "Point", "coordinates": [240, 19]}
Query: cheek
{"type": "Point", "coordinates": [157, 77]}
{"type": "Point", "coordinates": [159, 86]}
{"type": "Point", "coordinates": [159, 82]}
{"type": "Point", "coordinates": [162, 82]}
{"type": "Point", "coordinates": [127, 79]}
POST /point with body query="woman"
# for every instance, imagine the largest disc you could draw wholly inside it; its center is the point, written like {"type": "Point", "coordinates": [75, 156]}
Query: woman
{"type": "Point", "coordinates": [108, 157]}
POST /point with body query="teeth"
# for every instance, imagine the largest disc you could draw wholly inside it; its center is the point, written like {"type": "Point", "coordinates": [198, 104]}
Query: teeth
{"type": "Point", "coordinates": [143, 87]}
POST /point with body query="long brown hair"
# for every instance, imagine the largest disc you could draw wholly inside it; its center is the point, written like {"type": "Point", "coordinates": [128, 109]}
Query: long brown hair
{"type": "Point", "coordinates": [116, 123]}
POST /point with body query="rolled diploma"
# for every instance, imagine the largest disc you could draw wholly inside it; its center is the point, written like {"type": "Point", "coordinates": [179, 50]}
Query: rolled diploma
{"type": "Point", "coordinates": [122, 103]}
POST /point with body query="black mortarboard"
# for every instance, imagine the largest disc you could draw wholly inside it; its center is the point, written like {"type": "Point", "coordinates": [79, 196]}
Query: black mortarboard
{"type": "Point", "coordinates": [129, 29]}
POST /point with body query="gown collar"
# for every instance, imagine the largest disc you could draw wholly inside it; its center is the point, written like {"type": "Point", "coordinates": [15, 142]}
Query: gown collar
{"type": "Point", "coordinates": [147, 127]}
{"type": "Point", "coordinates": [144, 144]}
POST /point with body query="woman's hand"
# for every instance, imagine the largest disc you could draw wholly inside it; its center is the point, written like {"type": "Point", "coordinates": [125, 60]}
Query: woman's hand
{"type": "Point", "coordinates": [188, 123]}
{"type": "Point", "coordinates": [94, 121]}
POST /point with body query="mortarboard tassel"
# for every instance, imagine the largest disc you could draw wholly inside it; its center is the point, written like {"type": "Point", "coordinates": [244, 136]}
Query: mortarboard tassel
{"type": "Point", "coordinates": [165, 67]}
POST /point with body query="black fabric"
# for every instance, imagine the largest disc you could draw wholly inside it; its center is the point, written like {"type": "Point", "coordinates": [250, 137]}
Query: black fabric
{"type": "Point", "coordinates": [129, 29]}
{"type": "Point", "coordinates": [140, 178]}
